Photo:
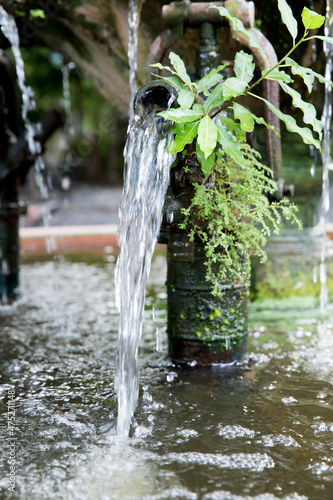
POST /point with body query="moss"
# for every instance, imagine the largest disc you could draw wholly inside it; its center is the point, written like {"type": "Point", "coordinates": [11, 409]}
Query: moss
{"type": "Point", "coordinates": [216, 314]}
{"type": "Point", "coordinates": [285, 276]}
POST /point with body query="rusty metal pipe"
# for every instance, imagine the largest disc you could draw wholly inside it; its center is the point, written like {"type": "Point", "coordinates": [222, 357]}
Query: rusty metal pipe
{"type": "Point", "coordinates": [179, 15]}
{"type": "Point", "coordinates": [158, 50]}
{"type": "Point", "coordinates": [194, 14]}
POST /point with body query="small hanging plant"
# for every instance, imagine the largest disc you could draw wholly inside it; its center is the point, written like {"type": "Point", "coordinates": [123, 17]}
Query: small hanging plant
{"type": "Point", "coordinates": [233, 202]}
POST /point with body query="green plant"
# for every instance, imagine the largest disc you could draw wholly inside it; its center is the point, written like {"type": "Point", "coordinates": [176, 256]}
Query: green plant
{"type": "Point", "coordinates": [235, 215]}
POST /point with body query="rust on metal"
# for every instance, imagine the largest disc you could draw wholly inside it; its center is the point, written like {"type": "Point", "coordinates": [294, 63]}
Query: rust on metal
{"type": "Point", "coordinates": [271, 93]}
{"type": "Point", "coordinates": [158, 50]}
{"type": "Point", "coordinates": [194, 14]}
{"type": "Point", "coordinates": [183, 14]}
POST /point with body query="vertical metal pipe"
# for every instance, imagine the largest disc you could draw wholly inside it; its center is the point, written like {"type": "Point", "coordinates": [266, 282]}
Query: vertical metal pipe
{"type": "Point", "coordinates": [202, 329]}
{"type": "Point", "coordinates": [10, 249]}
{"type": "Point", "coordinates": [9, 226]}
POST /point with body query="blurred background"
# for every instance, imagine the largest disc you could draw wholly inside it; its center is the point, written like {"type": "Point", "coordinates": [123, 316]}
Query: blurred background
{"type": "Point", "coordinates": [76, 62]}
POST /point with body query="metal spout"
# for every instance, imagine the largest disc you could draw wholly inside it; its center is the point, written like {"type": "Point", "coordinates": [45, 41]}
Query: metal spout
{"type": "Point", "coordinates": [153, 97]}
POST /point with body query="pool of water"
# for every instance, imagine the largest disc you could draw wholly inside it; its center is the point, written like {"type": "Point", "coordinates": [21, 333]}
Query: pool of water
{"type": "Point", "coordinates": [262, 430]}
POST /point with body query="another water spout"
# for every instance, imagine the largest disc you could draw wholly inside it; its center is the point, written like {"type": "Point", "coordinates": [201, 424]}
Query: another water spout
{"type": "Point", "coordinates": [326, 153]}
{"type": "Point", "coordinates": [69, 124]}
{"type": "Point", "coordinates": [134, 12]}
{"type": "Point", "coordinates": [9, 29]}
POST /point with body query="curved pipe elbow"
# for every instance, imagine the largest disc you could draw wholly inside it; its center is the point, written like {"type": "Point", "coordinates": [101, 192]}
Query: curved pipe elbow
{"type": "Point", "coordinates": [179, 15]}
{"type": "Point", "coordinates": [271, 92]}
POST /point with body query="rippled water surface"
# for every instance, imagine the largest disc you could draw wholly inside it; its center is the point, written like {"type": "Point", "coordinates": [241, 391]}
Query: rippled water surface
{"type": "Point", "coordinates": [263, 430]}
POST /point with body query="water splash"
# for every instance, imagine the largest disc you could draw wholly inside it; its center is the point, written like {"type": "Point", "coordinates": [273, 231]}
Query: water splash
{"type": "Point", "coordinates": [326, 154]}
{"type": "Point", "coordinates": [145, 185]}
{"type": "Point", "coordinates": [134, 13]}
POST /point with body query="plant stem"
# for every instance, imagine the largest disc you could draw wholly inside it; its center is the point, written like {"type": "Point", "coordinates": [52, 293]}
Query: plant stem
{"type": "Point", "coordinates": [277, 65]}
{"type": "Point", "coordinates": [257, 96]}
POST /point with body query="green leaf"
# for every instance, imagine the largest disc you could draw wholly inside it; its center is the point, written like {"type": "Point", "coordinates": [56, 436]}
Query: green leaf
{"type": "Point", "coordinates": [179, 66]}
{"type": "Point", "coordinates": [320, 77]}
{"type": "Point", "coordinates": [233, 87]}
{"type": "Point", "coordinates": [238, 26]}
{"type": "Point", "coordinates": [292, 126]}
{"type": "Point", "coordinates": [206, 163]}
{"type": "Point", "coordinates": [210, 80]}
{"type": "Point", "coordinates": [300, 70]}
{"type": "Point", "coordinates": [261, 121]}
{"type": "Point", "coordinates": [199, 108]}
{"type": "Point", "coordinates": [181, 115]}
{"type": "Point", "coordinates": [37, 13]}
{"type": "Point", "coordinates": [232, 126]}
{"type": "Point", "coordinates": [296, 69]}
{"type": "Point", "coordinates": [207, 83]}
{"type": "Point", "coordinates": [177, 128]}
{"type": "Point", "coordinates": [311, 20]}
{"type": "Point", "coordinates": [327, 39]}
{"type": "Point", "coordinates": [185, 98]}
{"type": "Point", "coordinates": [207, 135]}
{"type": "Point", "coordinates": [309, 111]}
{"type": "Point", "coordinates": [277, 74]}
{"type": "Point", "coordinates": [160, 66]}
{"type": "Point", "coordinates": [215, 98]}
{"type": "Point", "coordinates": [173, 80]}
{"type": "Point", "coordinates": [244, 116]}
{"type": "Point", "coordinates": [288, 18]}
{"type": "Point", "coordinates": [244, 66]}
{"type": "Point", "coordinates": [184, 136]}
{"type": "Point", "coordinates": [230, 145]}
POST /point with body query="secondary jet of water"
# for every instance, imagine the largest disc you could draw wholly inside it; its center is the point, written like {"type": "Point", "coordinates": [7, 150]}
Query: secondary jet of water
{"type": "Point", "coordinates": [147, 166]}
{"type": "Point", "coordinates": [69, 125]}
{"type": "Point", "coordinates": [134, 12]}
{"type": "Point", "coordinates": [326, 153]}
{"type": "Point", "coordinates": [10, 31]}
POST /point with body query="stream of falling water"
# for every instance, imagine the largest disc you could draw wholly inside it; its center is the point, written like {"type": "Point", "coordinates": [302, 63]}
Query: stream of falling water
{"type": "Point", "coordinates": [65, 70]}
{"type": "Point", "coordinates": [326, 154]}
{"type": "Point", "coordinates": [10, 31]}
{"type": "Point", "coordinates": [69, 125]}
{"type": "Point", "coordinates": [146, 180]}
{"type": "Point", "coordinates": [134, 12]}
